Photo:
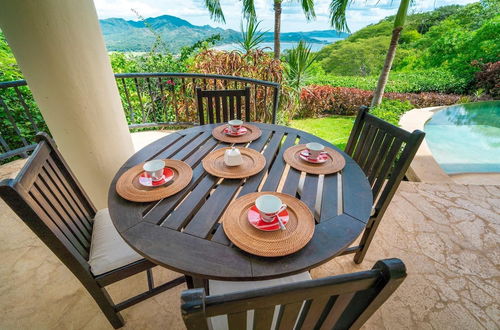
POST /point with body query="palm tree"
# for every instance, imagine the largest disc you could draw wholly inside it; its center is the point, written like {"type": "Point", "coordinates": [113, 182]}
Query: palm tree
{"type": "Point", "coordinates": [216, 14]}
{"type": "Point", "coordinates": [338, 21]}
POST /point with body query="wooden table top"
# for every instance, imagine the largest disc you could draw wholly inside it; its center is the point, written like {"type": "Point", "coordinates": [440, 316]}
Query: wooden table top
{"type": "Point", "coordinates": [182, 233]}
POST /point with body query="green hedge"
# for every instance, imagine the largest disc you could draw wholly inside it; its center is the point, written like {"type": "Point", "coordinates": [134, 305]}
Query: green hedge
{"type": "Point", "coordinates": [402, 82]}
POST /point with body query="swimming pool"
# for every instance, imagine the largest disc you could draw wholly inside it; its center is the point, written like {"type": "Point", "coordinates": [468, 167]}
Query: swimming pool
{"type": "Point", "coordinates": [466, 138]}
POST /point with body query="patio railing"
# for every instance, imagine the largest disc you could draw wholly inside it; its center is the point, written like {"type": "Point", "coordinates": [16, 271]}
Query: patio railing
{"type": "Point", "coordinates": [149, 100]}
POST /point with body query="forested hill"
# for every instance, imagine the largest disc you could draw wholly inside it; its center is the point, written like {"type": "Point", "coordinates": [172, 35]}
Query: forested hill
{"type": "Point", "coordinates": [126, 35]}
{"type": "Point", "coordinates": [456, 40]}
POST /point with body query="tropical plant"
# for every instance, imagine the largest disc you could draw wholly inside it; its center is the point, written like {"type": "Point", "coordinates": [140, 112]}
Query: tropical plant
{"type": "Point", "coordinates": [298, 61]}
{"type": "Point", "coordinates": [338, 20]}
{"type": "Point", "coordinates": [251, 36]}
{"type": "Point", "coordinates": [248, 10]}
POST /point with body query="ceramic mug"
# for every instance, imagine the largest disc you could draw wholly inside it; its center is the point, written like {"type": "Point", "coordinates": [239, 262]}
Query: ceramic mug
{"type": "Point", "coordinates": [155, 169]}
{"type": "Point", "coordinates": [269, 206]}
{"type": "Point", "coordinates": [314, 149]}
{"type": "Point", "coordinates": [235, 125]}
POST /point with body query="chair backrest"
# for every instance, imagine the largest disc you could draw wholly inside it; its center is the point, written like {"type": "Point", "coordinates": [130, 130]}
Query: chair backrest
{"type": "Point", "coordinates": [337, 302]}
{"type": "Point", "coordinates": [223, 105]}
{"type": "Point", "coordinates": [48, 198]}
{"type": "Point", "coordinates": [384, 152]}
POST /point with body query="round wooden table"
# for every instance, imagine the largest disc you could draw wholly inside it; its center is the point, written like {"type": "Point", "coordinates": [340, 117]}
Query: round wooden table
{"type": "Point", "coordinates": [182, 232]}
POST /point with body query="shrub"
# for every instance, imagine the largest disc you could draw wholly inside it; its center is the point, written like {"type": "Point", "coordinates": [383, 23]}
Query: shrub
{"type": "Point", "coordinates": [255, 64]}
{"type": "Point", "coordinates": [316, 100]}
{"type": "Point", "coordinates": [391, 110]}
{"type": "Point", "coordinates": [402, 82]}
{"type": "Point", "coordinates": [489, 78]}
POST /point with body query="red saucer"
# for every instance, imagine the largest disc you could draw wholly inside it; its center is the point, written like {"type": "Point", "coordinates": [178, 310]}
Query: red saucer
{"type": "Point", "coordinates": [146, 181]}
{"type": "Point", "coordinates": [240, 132]}
{"type": "Point", "coordinates": [323, 157]}
{"type": "Point", "coordinates": [256, 221]}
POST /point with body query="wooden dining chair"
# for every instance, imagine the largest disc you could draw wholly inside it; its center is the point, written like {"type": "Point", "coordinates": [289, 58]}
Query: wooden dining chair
{"type": "Point", "coordinates": [384, 153]}
{"type": "Point", "coordinates": [223, 105]}
{"type": "Point", "coordinates": [336, 302]}
{"type": "Point", "coordinates": [50, 201]}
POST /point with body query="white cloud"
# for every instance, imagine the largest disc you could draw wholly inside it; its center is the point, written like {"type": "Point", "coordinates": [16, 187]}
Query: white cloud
{"type": "Point", "coordinates": [359, 14]}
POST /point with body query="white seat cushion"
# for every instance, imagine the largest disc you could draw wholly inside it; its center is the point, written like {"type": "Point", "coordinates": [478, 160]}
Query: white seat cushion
{"type": "Point", "coordinates": [221, 287]}
{"type": "Point", "coordinates": [108, 250]}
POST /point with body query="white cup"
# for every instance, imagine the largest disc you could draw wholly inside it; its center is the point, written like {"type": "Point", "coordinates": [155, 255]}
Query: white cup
{"type": "Point", "coordinates": [314, 149]}
{"type": "Point", "coordinates": [154, 168]}
{"type": "Point", "coordinates": [269, 206]}
{"type": "Point", "coordinates": [235, 125]}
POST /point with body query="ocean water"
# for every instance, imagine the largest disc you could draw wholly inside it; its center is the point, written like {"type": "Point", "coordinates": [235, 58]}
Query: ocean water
{"type": "Point", "coordinates": [284, 45]}
{"type": "Point", "coordinates": [466, 138]}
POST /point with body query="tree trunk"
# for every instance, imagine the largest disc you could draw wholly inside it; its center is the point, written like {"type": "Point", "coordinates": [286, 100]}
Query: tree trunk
{"type": "Point", "coordinates": [382, 81]}
{"type": "Point", "coordinates": [277, 29]}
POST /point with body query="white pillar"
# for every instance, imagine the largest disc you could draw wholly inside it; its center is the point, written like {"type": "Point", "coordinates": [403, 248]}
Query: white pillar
{"type": "Point", "coordinates": [60, 50]}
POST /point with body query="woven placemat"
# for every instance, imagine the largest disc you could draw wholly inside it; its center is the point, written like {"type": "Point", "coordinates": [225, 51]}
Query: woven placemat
{"type": "Point", "coordinates": [299, 229]}
{"type": "Point", "coordinates": [253, 163]}
{"type": "Point", "coordinates": [253, 134]}
{"type": "Point", "coordinates": [335, 162]}
{"type": "Point", "coordinates": [128, 185]}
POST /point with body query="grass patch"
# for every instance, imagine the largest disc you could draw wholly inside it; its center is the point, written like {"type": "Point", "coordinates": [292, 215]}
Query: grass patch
{"type": "Point", "coordinates": [334, 129]}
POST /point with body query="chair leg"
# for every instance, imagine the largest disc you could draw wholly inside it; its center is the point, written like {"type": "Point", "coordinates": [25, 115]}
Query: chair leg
{"type": "Point", "coordinates": [107, 306]}
{"type": "Point", "coordinates": [366, 241]}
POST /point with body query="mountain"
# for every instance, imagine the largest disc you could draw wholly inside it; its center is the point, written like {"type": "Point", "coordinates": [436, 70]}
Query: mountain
{"type": "Point", "coordinates": [128, 36]}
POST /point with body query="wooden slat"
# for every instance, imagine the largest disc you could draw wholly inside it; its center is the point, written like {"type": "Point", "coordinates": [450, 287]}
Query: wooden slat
{"type": "Point", "coordinates": [170, 151]}
{"type": "Point", "coordinates": [69, 214]}
{"type": "Point", "coordinates": [279, 164]}
{"type": "Point", "coordinates": [379, 159]}
{"type": "Point", "coordinates": [210, 107]}
{"type": "Point", "coordinates": [291, 182]}
{"type": "Point", "coordinates": [315, 311]}
{"type": "Point", "coordinates": [309, 192]}
{"type": "Point", "coordinates": [330, 200]}
{"type": "Point", "coordinates": [80, 202]}
{"type": "Point", "coordinates": [388, 162]}
{"type": "Point", "coordinates": [218, 118]}
{"type": "Point", "coordinates": [361, 142]}
{"type": "Point", "coordinates": [237, 320]}
{"type": "Point", "coordinates": [238, 107]}
{"type": "Point", "coordinates": [356, 202]}
{"type": "Point", "coordinates": [58, 208]}
{"type": "Point", "coordinates": [368, 145]}
{"type": "Point", "coordinates": [263, 318]}
{"type": "Point", "coordinates": [288, 315]}
{"type": "Point", "coordinates": [52, 216]}
{"type": "Point", "coordinates": [338, 308]}
{"type": "Point", "coordinates": [377, 144]}
{"type": "Point", "coordinates": [84, 217]}
{"type": "Point", "coordinates": [225, 112]}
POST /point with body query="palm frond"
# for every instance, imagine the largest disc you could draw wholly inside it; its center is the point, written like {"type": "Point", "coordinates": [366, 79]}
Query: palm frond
{"type": "Point", "coordinates": [298, 61]}
{"type": "Point", "coordinates": [215, 10]}
{"type": "Point", "coordinates": [251, 35]}
{"type": "Point", "coordinates": [308, 8]}
{"type": "Point", "coordinates": [337, 15]}
{"type": "Point", "coordinates": [249, 9]}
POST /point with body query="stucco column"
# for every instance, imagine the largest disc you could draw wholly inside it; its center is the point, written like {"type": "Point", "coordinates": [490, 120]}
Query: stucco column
{"type": "Point", "coordinates": [60, 50]}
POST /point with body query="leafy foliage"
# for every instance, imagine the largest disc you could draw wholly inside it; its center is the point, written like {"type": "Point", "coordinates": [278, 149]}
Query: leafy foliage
{"type": "Point", "coordinates": [298, 61]}
{"type": "Point", "coordinates": [251, 36]}
{"type": "Point", "coordinates": [433, 80]}
{"type": "Point", "coordinates": [489, 79]}
{"type": "Point", "coordinates": [255, 64]}
{"type": "Point", "coordinates": [391, 110]}
{"type": "Point", "coordinates": [448, 40]}
{"type": "Point", "coordinates": [317, 100]}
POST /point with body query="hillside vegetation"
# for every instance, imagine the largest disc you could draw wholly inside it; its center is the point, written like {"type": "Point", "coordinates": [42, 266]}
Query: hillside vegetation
{"type": "Point", "coordinates": [448, 45]}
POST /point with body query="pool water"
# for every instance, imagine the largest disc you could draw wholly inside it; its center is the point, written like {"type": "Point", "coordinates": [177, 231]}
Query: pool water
{"type": "Point", "coordinates": [466, 137]}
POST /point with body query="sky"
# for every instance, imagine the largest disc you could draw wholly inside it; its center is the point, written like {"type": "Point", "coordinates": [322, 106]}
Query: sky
{"type": "Point", "coordinates": [360, 14]}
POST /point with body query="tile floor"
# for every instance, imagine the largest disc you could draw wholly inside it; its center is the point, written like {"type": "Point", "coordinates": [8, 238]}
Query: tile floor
{"type": "Point", "coordinates": [447, 234]}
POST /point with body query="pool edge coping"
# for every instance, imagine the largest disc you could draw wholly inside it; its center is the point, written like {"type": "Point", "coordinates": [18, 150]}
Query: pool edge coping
{"type": "Point", "coordinates": [423, 168]}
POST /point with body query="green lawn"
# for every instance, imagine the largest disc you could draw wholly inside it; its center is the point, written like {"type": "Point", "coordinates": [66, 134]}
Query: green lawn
{"type": "Point", "coordinates": [334, 129]}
